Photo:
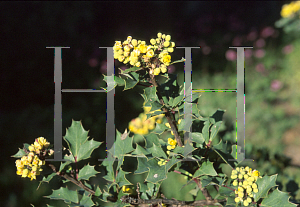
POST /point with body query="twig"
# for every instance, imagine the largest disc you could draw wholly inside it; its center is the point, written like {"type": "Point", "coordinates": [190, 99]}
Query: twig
{"type": "Point", "coordinates": [73, 180]}
{"type": "Point", "coordinates": [136, 201]}
{"type": "Point", "coordinates": [167, 112]}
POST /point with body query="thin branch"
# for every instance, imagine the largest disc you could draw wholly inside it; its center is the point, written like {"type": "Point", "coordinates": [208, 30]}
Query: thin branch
{"type": "Point", "coordinates": [73, 180]}
{"type": "Point", "coordinates": [167, 112]}
{"type": "Point", "coordinates": [136, 201]}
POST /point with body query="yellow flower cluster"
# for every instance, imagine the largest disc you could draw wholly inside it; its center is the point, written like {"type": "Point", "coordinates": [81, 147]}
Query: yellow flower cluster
{"type": "Point", "coordinates": [126, 189]}
{"type": "Point", "coordinates": [142, 125]}
{"type": "Point", "coordinates": [162, 162]}
{"type": "Point", "coordinates": [244, 179]}
{"type": "Point", "coordinates": [30, 165]}
{"type": "Point", "coordinates": [155, 56]}
{"type": "Point", "coordinates": [171, 145]}
{"type": "Point", "coordinates": [168, 125]}
{"type": "Point", "coordinates": [289, 9]}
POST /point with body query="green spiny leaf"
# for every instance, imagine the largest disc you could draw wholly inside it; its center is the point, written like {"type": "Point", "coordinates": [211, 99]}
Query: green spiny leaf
{"type": "Point", "coordinates": [277, 199]}
{"type": "Point", "coordinates": [64, 194]}
{"type": "Point", "coordinates": [264, 184]}
{"type": "Point", "coordinates": [206, 168]}
{"type": "Point", "coordinates": [86, 172]}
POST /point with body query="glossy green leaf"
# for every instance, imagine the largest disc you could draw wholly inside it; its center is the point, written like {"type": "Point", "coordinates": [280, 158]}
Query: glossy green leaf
{"type": "Point", "coordinates": [131, 81]}
{"type": "Point", "coordinates": [277, 199]}
{"type": "Point", "coordinates": [77, 140]}
{"type": "Point", "coordinates": [19, 154]}
{"type": "Point", "coordinates": [157, 151]}
{"type": "Point", "coordinates": [177, 100]}
{"type": "Point", "coordinates": [64, 194]}
{"type": "Point", "coordinates": [87, 172]}
{"type": "Point", "coordinates": [197, 137]}
{"type": "Point", "coordinates": [206, 168]}
{"type": "Point", "coordinates": [264, 184]}
{"type": "Point", "coordinates": [151, 139]}
{"type": "Point", "coordinates": [121, 147]}
{"type": "Point", "coordinates": [121, 179]}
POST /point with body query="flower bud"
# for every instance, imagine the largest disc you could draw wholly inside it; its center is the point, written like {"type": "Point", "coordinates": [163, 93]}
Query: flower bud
{"type": "Point", "coordinates": [168, 37]}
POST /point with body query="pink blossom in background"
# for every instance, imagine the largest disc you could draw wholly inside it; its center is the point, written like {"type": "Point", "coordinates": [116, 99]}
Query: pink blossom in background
{"type": "Point", "coordinates": [237, 41]}
{"type": "Point", "coordinates": [276, 85]}
{"type": "Point", "coordinates": [230, 55]}
{"type": "Point", "coordinates": [93, 62]}
{"type": "Point", "coordinates": [260, 43]}
{"type": "Point", "coordinates": [248, 53]}
{"type": "Point", "coordinates": [260, 68]}
{"type": "Point", "coordinates": [252, 36]}
{"type": "Point", "coordinates": [206, 50]}
{"type": "Point", "coordinates": [267, 32]}
{"type": "Point", "coordinates": [103, 67]}
{"type": "Point", "coordinates": [260, 53]}
{"type": "Point", "coordinates": [287, 49]}
{"type": "Point", "coordinates": [171, 69]}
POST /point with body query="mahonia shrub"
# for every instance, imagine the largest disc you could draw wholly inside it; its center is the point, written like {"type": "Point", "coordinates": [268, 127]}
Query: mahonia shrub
{"type": "Point", "coordinates": [200, 158]}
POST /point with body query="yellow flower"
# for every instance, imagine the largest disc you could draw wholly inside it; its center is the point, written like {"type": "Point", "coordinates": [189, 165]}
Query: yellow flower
{"type": "Point", "coordinates": [134, 42]}
{"type": "Point", "coordinates": [170, 49]}
{"type": "Point", "coordinates": [159, 35]}
{"type": "Point", "coordinates": [153, 41]}
{"type": "Point", "coordinates": [156, 71]}
{"type": "Point", "coordinates": [150, 53]}
{"type": "Point", "coordinates": [168, 125]}
{"type": "Point", "coordinates": [25, 173]}
{"type": "Point", "coordinates": [166, 59]}
{"type": "Point", "coordinates": [138, 64]}
{"type": "Point", "coordinates": [237, 199]}
{"type": "Point", "coordinates": [127, 48]}
{"type": "Point", "coordinates": [168, 38]}
{"type": "Point", "coordinates": [246, 203]}
{"type": "Point", "coordinates": [142, 48]}
{"type": "Point", "coordinates": [166, 44]}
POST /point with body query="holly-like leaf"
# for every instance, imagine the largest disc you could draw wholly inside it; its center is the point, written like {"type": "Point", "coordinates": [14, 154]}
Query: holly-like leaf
{"type": "Point", "coordinates": [111, 83]}
{"type": "Point", "coordinates": [121, 179]}
{"type": "Point", "coordinates": [19, 154]}
{"type": "Point", "coordinates": [86, 172]}
{"type": "Point", "coordinates": [140, 151]}
{"type": "Point", "coordinates": [64, 194]}
{"type": "Point", "coordinates": [214, 130]}
{"type": "Point", "coordinates": [198, 138]}
{"type": "Point", "coordinates": [277, 199]}
{"type": "Point", "coordinates": [208, 180]}
{"type": "Point", "coordinates": [131, 81]}
{"type": "Point", "coordinates": [221, 150]}
{"type": "Point", "coordinates": [205, 131]}
{"type": "Point", "coordinates": [121, 147]}
{"type": "Point", "coordinates": [49, 177]}
{"type": "Point", "coordinates": [264, 184]}
{"type": "Point", "coordinates": [206, 168]}
{"type": "Point", "coordinates": [63, 165]}
{"type": "Point", "coordinates": [86, 201]}
{"type": "Point", "coordinates": [77, 140]}
{"type": "Point", "coordinates": [151, 139]}
{"type": "Point", "coordinates": [177, 100]}
{"type": "Point", "coordinates": [108, 163]}
{"type": "Point", "coordinates": [157, 151]}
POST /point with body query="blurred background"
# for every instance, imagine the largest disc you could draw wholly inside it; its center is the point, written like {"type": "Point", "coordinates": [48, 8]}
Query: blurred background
{"type": "Point", "coordinates": [272, 79]}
